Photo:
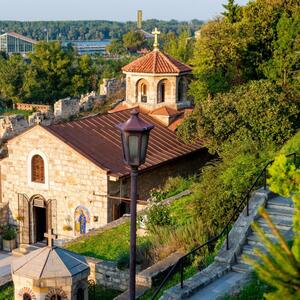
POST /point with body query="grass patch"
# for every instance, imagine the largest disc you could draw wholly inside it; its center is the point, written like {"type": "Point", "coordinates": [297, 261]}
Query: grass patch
{"type": "Point", "coordinates": [254, 290]}
{"type": "Point", "coordinates": [9, 112]}
{"type": "Point", "coordinates": [101, 293]}
{"type": "Point", "coordinates": [181, 210]}
{"type": "Point", "coordinates": [108, 245]}
{"type": "Point", "coordinates": [7, 292]}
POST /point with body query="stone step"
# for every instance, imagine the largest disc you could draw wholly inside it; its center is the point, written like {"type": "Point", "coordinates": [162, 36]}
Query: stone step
{"type": "Point", "coordinates": [284, 209]}
{"type": "Point", "coordinates": [241, 268]}
{"type": "Point", "coordinates": [254, 240]}
{"type": "Point", "coordinates": [240, 259]}
{"type": "Point", "coordinates": [282, 226]}
{"type": "Point", "coordinates": [249, 249]}
{"type": "Point", "coordinates": [281, 201]}
{"type": "Point", "coordinates": [284, 214]}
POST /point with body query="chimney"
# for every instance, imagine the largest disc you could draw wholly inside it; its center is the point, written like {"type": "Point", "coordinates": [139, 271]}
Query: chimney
{"type": "Point", "coordinates": [139, 19]}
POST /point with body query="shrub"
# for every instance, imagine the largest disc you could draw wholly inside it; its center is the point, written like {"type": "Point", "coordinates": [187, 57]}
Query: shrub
{"type": "Point", "coordinates": [9, 233]}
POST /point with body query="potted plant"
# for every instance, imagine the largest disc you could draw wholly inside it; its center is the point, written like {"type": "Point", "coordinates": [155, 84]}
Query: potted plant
{"type": "Point", "coordinates": [9, 238]}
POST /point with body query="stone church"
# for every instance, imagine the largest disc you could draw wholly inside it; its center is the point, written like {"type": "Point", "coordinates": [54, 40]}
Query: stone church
{"type": "Point", "coordinates": [71, 177]}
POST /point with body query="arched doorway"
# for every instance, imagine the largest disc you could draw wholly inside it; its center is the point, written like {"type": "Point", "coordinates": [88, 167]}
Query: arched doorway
{"type": "Point", "coordinates": [39, 218]}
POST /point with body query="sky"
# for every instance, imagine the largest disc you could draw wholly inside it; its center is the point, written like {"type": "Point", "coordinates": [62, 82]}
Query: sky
{"type": "Point", "coordinates": [116, 10]}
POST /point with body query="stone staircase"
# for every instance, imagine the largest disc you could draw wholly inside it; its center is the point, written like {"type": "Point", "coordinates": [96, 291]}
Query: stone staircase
{"type": "Point", "coordinates": [281, 212]}
{"type": "Point", "coordinates": [229, 272]}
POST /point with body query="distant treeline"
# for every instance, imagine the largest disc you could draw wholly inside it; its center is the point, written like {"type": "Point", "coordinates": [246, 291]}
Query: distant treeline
{"type": "Point", "coordinates": [91, 30]}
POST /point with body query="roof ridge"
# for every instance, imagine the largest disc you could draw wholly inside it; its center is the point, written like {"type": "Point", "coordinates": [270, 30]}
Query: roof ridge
{"type": "Point", "coordinates": [169, 60]}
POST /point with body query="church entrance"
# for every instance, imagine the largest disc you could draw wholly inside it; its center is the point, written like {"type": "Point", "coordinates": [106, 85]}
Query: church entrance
{"type": "Point", "coordinates": [40, 224]}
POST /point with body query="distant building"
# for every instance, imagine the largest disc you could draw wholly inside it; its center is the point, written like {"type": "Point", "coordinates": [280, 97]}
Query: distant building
{"type": "Point", "coordinates": [88, 47]}
{"type": "Point", "coordinates": [12, 42]}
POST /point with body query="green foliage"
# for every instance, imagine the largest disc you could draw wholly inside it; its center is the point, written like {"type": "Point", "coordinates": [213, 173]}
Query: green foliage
{"type": "Point", "coordinates": [259, 110]}
{"type": "Point", "coordinates": [103, 246]}
{"type": "Point", "coordinates": [286, 55]}
{"type": "Point", "coordinates": [116, 47]}
{"type": "Point", "coordinates": [232, 11]}
{"type": "Point", "coordinates": [12, 72]}
{"type": "Point", "coordinates": [158, 214]}
{"type": "Point", "coordinates": [180, 47]}
{"type": "Point", "coordinates": [102, 293]}
{"type": "Point", "coordinates": [223, 183]}
{"type": "Point", "coordinates": [9, 233]}
{"type": "Point", "coordinates": [292, 145]}
{"type": "Point", "coordinates": [285, 180]}
{"type": "Point", "coordinates": [7, 292]}
{"type": "Point", "coordinates": [91, 30]}
{"type": "Point", "coordinates": [133, 41]}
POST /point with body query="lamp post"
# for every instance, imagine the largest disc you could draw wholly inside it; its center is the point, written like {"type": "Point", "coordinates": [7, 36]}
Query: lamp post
{"type": "Point", "coordinates": [134, 136]}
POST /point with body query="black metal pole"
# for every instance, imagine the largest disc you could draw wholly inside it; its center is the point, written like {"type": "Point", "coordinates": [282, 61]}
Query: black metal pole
{"type": "Point", "coordinates": [134, 174]}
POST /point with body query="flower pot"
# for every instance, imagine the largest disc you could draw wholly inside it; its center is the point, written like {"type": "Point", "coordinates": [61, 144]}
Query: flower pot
{"type": "Point", "coordinates": [9, 245]}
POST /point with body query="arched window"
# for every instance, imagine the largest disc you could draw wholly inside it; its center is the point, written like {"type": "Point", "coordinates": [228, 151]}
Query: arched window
{"type": "Point", "coordinates": [26, 296]}
{"type": "Point", "coordinates": [80, 294]}
{"type": "Point", "coordinates": [161, 91]}
{"type": "Point", "coordinates": [143, 92]}
{"type": "Point", "coordinates": [37, 169]}
{"type": "Point", "coordinates": [181, 90]}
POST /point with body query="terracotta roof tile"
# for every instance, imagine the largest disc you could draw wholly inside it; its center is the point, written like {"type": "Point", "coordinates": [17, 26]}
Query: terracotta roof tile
{"type": "Point", "coordinates": [157, 62]}
{"type": "Point", "coordinates": [98, 139]}
{"type": "Point", "coordinates": [165, 111]}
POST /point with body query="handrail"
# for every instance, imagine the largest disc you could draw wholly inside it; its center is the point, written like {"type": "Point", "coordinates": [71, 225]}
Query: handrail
{"type": "Point", "coordinates": [246, 198]}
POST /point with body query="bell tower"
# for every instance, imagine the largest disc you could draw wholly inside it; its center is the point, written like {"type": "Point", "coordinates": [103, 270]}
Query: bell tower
{"type": "Point", "coordinates": [157, 80]}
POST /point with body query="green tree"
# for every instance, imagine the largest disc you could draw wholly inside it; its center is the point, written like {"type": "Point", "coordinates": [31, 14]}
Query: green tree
{"type": "Point", "coordinates": [50, 74]}
{"type": "Point", "coordinates": [232, 11]}
{"type": "Point", "coordinates": [259, 110]}
{"type": "Point", "coordinates": [180, 47]}
{"type": "Point", "coordinates": [11, 78]}
{"type": "Point", "coordinates": [116, 47]}
{"type": "Point", "coordinates": [133, 41]}
{"type": "Point", "coordinates": [285, 62]}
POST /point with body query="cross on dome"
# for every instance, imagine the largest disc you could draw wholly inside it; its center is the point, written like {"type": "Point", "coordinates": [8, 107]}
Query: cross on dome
{"type": "Point", "coordinates": [50, 236]}
{"type": "Point", "coordinates": [156, 33]}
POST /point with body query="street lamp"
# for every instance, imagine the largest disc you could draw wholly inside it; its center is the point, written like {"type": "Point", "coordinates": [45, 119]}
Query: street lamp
{"type": "Point", "coordinates": [134, 136]}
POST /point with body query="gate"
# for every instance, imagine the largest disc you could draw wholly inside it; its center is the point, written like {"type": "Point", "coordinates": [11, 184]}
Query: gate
{"type": "Point", "coordinates": [24, 219]}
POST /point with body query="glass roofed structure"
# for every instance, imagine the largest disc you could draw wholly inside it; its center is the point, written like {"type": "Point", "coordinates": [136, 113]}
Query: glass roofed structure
{"type": "Point", "coordinates": [12, 42]}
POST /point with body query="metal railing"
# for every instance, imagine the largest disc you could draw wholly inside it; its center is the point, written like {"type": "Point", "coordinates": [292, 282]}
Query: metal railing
{"type": "Point", "coordinates": [244, 203]}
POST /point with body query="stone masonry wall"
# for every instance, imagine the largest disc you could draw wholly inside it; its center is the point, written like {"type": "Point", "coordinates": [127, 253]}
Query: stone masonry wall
{"type": "Point", "coordinates": [66, 108]}
{"type": "Point", "coordinates": [107, 274]}
{"type": "Point", "coordinates": [70, 179]}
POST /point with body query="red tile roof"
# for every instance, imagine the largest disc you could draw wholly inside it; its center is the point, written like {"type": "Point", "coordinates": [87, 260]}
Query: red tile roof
{"type": "Point", "coordinates": [98, 139]}
{"type": "Point", "coordinates": [165, 111]}
{"type": "Point", "coordinates": [157, 62]}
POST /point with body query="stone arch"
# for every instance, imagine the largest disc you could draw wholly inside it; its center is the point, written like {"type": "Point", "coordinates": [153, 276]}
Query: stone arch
{"type": "Point", "coordinates": [27, 291]}
{"type": "Point", "coordinates": [163, 90]}
{"type": "Point", "coordinates": [142, 90]}
{"type": "Point", "coordinates": [56, 292]}
{"type": "Point", "coordinates": [182, 89]}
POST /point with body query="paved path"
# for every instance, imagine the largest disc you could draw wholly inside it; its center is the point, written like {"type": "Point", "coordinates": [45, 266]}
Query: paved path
{"type": "Point", "coordinates": [220, 287]}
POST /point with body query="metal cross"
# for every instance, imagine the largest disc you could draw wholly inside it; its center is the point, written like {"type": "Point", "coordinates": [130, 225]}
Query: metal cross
{"type": "Point", "coordinates": [156, 33]}
{"type": "Point", "coordinates": [50, 236]}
